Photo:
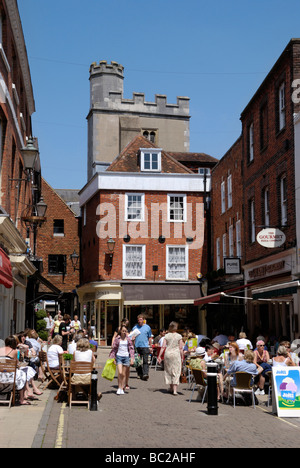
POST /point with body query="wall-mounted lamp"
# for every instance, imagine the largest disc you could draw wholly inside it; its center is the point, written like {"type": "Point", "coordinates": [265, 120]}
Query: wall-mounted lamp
{"type": "Point", "coordinates": [161, 239]}
{"type": "Point", "coordinates": [74, 259]}
{"type": "Point", "coordinates": [111, 247]}
{"type": "Point", "coordinates": [30, 154]}
{"type": "Point", "coordinates": [189, 240]}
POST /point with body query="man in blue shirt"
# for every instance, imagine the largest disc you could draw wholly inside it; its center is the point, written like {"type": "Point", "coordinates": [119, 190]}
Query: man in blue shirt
{"type": "Point", "coordinates": [142, 344]}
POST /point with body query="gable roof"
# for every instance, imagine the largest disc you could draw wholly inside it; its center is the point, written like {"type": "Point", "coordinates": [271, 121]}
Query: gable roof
{"type": "Point", "coordinates": [202, 158]}
{"type": "Point", "coordinates": [128, 159]}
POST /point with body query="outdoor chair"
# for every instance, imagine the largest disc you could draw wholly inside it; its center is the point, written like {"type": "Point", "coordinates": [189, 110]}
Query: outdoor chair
{"type": "Point", "coordinates": [52, 376]}
{"type": "Point", "coordinates": [64, 377]}
{"type": "Point", "coordinates": [269, 374]}
{"type": "Point", "coordinates": [8, 389]}
{"type": "Point", "coordinates": [199, 382]}
{"type": "Point", "coordinates": [80, 378]}
{"type": "Point", "coordinates": [243, 385]}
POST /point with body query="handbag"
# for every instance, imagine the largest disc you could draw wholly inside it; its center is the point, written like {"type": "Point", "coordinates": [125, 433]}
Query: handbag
{"type": "Point", "coordinates": [109, 370]}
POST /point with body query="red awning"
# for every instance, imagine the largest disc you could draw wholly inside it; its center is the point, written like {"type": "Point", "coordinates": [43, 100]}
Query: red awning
{"type": "Point", "coordinates": [208, 299]}
{"type": "Point", "coordinates": [5, 270]}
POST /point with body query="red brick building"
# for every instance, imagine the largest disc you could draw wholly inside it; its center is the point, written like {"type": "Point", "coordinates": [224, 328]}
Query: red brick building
{"type": "Point", "coordinates": [57, 240]}
{"type": "Point", "coordinates": [261, 165]}
{"type": "Point", "coordinates": [152, 209]}
{"type": "Point", "coordinates": [19, 190]}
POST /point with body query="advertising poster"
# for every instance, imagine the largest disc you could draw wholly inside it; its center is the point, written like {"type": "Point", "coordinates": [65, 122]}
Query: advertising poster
{"type": "Point", "coordinates": [286, 390]}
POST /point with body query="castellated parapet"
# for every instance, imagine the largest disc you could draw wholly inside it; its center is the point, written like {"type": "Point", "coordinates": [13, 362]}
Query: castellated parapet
{"type": "Point", "coordinates": [114, 121]}
{"type": "Point", "coordinates": [106, 91]}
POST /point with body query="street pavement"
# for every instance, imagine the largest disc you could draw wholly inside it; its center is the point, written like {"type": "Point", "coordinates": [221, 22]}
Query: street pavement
{"type": "Point", "coordinates": [146, 417]}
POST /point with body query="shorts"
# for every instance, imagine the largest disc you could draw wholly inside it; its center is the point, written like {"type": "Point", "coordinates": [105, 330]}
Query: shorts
{"type": "Point", "coordinates": [124, 360]}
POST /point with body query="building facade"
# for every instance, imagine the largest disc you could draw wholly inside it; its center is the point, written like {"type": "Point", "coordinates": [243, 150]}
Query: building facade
{"type": "Point", "coordinates": [114, 121]}
{"type": "Point", "coordinates": [143, 241]}
{"type": "Point", "coordinates": [19, 184]}
{"type": "Point", "coordinates": [57, 241]}
{"type": "Point", "coordinates": [265, 203]}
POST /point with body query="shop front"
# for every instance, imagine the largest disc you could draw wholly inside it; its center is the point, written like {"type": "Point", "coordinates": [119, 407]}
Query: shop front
{"type": "Point", "coordinates": [273, 307]}
{"type": "Point", "coordinates": [103, 305]}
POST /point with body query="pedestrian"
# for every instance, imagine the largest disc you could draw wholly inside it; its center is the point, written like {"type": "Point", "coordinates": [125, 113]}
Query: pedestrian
{"type": "Point", "coordinates": [76, 323]}
{"type": "Point", "coordinates": [173, 349]}
{"type": "Point", "coordinates": [142, 344]}
{"type": "Point", "coordinates": [49, 323]}
{"type": "Point", "coordinates": [65, 331]}
{"type": "Point", "coordinates": [123, 354]}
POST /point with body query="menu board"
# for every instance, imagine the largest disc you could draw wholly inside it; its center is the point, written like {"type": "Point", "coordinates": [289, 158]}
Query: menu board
{"type": "Point", "coordinates": [286, 391]}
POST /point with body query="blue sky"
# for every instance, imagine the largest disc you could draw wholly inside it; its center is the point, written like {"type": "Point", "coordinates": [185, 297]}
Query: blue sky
{"type": "Point", "coordinates": [215, 52]}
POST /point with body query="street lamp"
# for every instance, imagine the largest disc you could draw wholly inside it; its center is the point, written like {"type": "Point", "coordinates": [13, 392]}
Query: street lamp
{"type": "Point", "coordinates": [111, 247]}
{"type": "Point", "coordinates": [33, 218]}
{"type": "Point", "coordinates": [30, 154]}
{"type": "Point", "coordinates": [74, 259]}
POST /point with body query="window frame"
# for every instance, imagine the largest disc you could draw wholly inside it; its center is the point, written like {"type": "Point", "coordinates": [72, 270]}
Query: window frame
{"type": "Point", "coordinates": [137, 194]}
{"type": "Point", "coordinates": [151, 151]}
{"type": "Point", "coordinates": [59, 234]}
{"type": "Point", "coordinates": [184, 197]}
{"type": "Point", "coordinates": [127, 248]}
{"type": "Point", "coordinates": [57, 272]}
{"type": "Point", "coordinates": [223, 197]}
{"type": "Point", "coordinates": [283, 201]}
{"type": "Point", "coordinates": [186, 252]}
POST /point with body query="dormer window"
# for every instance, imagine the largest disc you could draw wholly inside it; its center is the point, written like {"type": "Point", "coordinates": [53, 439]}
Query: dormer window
{"type": "Point", "coordinates": [150, 160]}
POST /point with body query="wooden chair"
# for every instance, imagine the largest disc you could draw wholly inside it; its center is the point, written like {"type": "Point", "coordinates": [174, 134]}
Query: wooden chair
{"type": "Point", "coordinates": [199, 382]}
{"type": "Point", "coordinates": [8, 366]}
{"type": "Point", "coordinates": [243, 385]}
{"type": "Point", "coordinates": [80, 369]}
{"type": "Point", "coordinates": [64, 376]}
{"type": "Point", "coordinates": [52, 376]}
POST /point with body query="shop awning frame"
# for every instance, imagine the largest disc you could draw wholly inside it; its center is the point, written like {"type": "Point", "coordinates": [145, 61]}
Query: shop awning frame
{"type": "Point", "coordinates": [276, 290]}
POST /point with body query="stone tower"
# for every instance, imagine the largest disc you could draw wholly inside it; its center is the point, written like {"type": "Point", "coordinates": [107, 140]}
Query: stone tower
{"type": "Point", "coordinates": [114, 121]}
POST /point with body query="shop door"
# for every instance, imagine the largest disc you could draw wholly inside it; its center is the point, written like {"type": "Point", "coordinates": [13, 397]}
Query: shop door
{"type": "Point", "coordinates": [112, 321]}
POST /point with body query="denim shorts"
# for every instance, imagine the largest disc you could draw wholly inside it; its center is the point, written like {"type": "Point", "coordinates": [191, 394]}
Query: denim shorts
{"type": "Point", "coordinates": [124, 360]}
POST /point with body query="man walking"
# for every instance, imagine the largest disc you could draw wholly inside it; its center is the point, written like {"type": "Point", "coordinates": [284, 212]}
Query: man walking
{"type": "Point", "coordinates": [142, 344]}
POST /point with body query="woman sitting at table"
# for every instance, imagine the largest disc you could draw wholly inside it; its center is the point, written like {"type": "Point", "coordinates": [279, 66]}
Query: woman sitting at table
{"type": "Point", "coordinates": [54, 351]}
{"type": "Point", "coordinates": [246, 365]}
{"type": "Point", "coordinates": [283, 358]}
{"type": "Point", "coordinates": [261, 359]}
{"type": "Point", "coordinates": [83, 351]}
{"type": "Point", "coordinates": [24, 375]}
{"type": "Point", "coordinates": [233, 354]}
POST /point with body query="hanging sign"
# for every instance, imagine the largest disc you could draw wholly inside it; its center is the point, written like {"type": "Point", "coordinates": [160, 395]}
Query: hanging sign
{"type": "Point", "coordinates": [271, 238]}
{"type": "Point", "coordinates": [286, 391]}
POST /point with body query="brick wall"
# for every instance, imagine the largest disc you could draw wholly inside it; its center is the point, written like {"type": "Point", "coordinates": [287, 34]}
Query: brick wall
{"type": "Point", "coordinates": [94, 248]}
{"type": "Point", "coordinates": [14, 195]}
{"type": "Point", "coordinates": [48, 244]}
{"type": "Point", "coordinates": [230, 164]}
{"type": "Point", "coordinates": [275, 159]}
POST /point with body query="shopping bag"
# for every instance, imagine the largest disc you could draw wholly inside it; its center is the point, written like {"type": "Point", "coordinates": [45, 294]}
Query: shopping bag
{"type": "Point", "coordinates": [137, 360]}
{"type": "Point", "coordinates": [109, 370]}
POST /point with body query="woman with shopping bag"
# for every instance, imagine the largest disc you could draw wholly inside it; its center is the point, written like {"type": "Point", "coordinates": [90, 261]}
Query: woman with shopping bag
{"type": "Point", "coordinates": [123, 354]}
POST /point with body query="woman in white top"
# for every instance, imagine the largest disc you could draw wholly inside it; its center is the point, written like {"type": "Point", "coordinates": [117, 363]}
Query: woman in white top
{"type": "Point", "coordinates": [54, 351]}
{"type": "Point", "coordinates": [83, 351]}
{"type": "Point", "coordinates": [283, 358]}
{"type": "Point", "coordinates": [123, 354]}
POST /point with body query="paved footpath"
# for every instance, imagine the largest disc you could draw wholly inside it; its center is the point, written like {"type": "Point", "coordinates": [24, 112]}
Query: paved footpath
{"type": "Point", "coordinates": [147, 417]}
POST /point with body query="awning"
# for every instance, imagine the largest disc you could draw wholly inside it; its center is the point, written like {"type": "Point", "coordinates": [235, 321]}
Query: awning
{"type": "Point", "coordinates": [277, 290]}
{"type": "Point", "coordinates": [208, 299]}
{"type": "Point", "coordinates": [5, 270]}
{"type": "Point", "coordinates": [146, 294]}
